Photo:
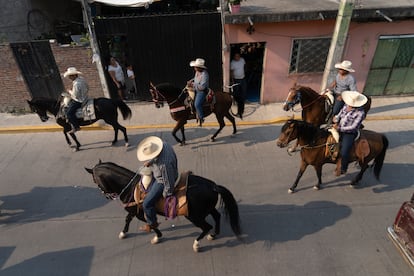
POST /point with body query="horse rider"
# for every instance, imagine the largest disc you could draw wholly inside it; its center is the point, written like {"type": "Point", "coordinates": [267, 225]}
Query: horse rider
{"type": "Point", "coordinates": [78, 95]}
{"type": "Point", "coordinates": [200, 83]}
{"type": "Point", "coordinates": [344, 81]}
{"type": "Point", "coordinates": [348, 122]}
{"type": "Point", "coordinates": [161, 158]}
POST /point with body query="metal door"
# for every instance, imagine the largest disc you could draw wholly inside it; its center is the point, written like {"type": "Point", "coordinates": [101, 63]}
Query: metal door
{"type": "Point", "coordinates": [392, 68]}
{"type": "Point", "coordinates": [38, 67]}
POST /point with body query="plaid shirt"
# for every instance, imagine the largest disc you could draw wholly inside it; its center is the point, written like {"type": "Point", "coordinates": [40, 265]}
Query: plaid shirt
{"type": "Point", "coordinates": [164, 169]}
{"type": "Point", "coordinates": [350, 121]}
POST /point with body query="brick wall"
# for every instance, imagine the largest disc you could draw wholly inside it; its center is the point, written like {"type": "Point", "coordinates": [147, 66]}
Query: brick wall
{"type": "Point", "coordinates": [13, 89]}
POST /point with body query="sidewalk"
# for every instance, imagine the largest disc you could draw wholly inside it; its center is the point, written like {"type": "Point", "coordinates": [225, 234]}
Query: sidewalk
{"type": "Point", "coordinates": [145, 115]}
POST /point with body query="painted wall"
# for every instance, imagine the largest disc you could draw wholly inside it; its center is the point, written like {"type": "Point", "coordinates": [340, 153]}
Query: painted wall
{"type": "Point", "coordinates": [276, 80]}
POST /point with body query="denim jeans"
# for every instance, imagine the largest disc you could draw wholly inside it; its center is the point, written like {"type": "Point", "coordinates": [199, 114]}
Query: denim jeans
{"type": "Point", "coordinates": [337, 106]}
{"type": "Point", "coordinates": [71, 113]}
{"type": "Point", "coordinates": [198, 103]}
{"type": "Point", "coordinates": [155, 193]}
{"type": "Point", "coordinates": [347, 141]}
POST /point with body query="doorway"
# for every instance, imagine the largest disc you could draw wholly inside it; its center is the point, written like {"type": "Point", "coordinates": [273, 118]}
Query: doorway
{"type": "Point", "coordinates": [253, 54]}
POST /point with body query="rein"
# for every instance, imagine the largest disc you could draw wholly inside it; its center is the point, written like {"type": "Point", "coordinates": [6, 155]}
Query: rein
{"type": "Point", "coordinates": [158, 93]}
{"type": "Point", "coordinates": [299, 97]}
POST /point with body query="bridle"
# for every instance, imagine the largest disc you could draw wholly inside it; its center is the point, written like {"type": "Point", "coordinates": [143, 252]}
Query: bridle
{"type": "Point", "coordinates": [158, 98]}
{"type": "Point", "coordinates": [296, 100]}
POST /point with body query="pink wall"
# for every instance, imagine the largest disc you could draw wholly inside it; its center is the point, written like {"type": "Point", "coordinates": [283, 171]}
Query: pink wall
{"type": "Point", "coordinates": [276, 81]}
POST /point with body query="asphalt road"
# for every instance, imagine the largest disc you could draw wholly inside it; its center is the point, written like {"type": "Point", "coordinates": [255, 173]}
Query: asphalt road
{"type": "Point", "coordinates": [54, 221]}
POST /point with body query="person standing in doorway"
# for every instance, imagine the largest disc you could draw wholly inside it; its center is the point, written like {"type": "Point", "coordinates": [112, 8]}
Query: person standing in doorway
{"type": "Point", "coordinates": [117, 76]}
{"type": "Point", "coordinates": [237, 68]}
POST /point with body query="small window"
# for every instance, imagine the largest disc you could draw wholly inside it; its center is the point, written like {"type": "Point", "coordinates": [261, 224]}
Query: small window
{"type": "Point", "coordinates": [309, 55]}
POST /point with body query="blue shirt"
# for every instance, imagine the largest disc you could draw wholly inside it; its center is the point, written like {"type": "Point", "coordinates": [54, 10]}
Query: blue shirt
{"type": "Point", "coordinates": [344, 84]}
{"type": "Point", "coordinates": [201, 80]}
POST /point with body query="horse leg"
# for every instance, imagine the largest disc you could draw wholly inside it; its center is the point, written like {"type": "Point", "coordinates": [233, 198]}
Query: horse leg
{"type": "Point", "coordinates": [232, 120]}
{"type": "Point", "coordinates": [318, 170]}
{"type": "Point", "coordinates": [128, 219]}
{"type": "Point", "coordinates": [183, 134]}
{"type": "Point", "coordinates": [179, 126]}
{"type": "Point", "coordinates": [205, 227]}
{"type": "Point", "coordinates": [216, 216]}
{"type": "Point", "coordinates": [220, 120]}
{"type": "Point", "coordinates": [67, 138]}
{"type": "Point", "coordinates": [357, 178]}
{"type": "Point", "coordinates": [157, 238]}
{"type": "Point", "coordinates": [302, 169]}
{"type": "Point", "coordinates": [124, 131]}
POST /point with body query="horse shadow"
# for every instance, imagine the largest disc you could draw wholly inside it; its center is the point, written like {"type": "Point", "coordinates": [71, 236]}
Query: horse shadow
{"type": "Point", "coordinates": [272, 224]}
{"type": "Point", "coordinates": [75, 261]}
{"type": "Point", "coordinates": [35, 205]}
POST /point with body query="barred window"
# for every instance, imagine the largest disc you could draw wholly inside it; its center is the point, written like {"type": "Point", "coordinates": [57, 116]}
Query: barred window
{"type": "Point", "coordinates": [309, 55]}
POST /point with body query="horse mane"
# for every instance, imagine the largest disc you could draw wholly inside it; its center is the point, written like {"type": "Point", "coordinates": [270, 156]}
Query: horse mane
{"type": "Point", "coordinates": [306, 89]}
{"type": "Point", "coordinates": [114, 168]}
{"type": "Point", "coordinates": [169, 89]}
{"type": "Point", "coordinates": [310, 133]}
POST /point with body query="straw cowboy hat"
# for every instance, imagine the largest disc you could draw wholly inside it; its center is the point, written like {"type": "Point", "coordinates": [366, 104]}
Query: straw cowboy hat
{"type": "Point", "coordinates": [345, 65]}
{"type": "Point", "coordinates": [354, 98]}
{"type": "Point", "coordinates": [199, 62]}
{"type": "Point", "coordinates": [149, 148]}
{"type": "Point", "coordinates": [71, 71]}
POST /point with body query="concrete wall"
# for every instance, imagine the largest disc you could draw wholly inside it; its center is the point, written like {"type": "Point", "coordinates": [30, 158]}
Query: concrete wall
{"type": "Point", "coordinates": [276, 81]}
{"type": "Point", "coordinates": [13, 89]}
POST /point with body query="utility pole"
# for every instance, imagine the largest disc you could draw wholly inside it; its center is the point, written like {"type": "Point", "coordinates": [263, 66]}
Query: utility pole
{"type": "Point", "coordinates": [95, 49]}
{"type": "Point", "coordinates": [336, 49]}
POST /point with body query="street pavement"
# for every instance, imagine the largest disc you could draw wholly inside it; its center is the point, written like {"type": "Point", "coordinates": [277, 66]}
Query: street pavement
{"type": "Point", "coordinates": [143, 116]}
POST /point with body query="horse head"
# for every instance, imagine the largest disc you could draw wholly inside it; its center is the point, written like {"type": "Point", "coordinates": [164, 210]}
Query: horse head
{"type": "Point", "coordinates": [156, 95]}
{"type": "Point", "coordinates": [288, 133]}
{"type": "Point", "coordinates": [293, 98]}
{"type": "Point", "coordinates": [39, 107]}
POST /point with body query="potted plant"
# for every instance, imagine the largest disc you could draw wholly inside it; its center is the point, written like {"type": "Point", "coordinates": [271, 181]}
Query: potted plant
{"type": "Point", "coordinates": [234, 5]}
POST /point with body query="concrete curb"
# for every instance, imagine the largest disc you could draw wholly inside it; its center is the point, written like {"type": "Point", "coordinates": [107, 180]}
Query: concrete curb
{"type": "Point", "coordinates": [57, 128]}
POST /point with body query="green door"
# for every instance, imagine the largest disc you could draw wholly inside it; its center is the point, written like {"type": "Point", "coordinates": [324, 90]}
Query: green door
{"type": "Point", "coordinates": [392, 68]}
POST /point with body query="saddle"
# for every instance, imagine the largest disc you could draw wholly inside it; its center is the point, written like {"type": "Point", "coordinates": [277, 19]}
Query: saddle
{"type": "Point", "coordinates": [189, 101]}
{"type": "Point", "coordinates": [361, 146]}
{"type": "Point", "coordinates": [169, 208]}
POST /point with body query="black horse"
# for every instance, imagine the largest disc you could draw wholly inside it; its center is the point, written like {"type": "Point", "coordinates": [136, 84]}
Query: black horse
{"type": "Point", "coordinates": [181, 112]}
{"type": "Point", "coordinates": [105, 109]}
{"type": "Point", "coordinates": [202, 196]}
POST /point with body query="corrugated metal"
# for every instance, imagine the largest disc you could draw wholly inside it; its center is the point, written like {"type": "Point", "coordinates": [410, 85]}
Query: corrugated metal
{"type": "Point", "coordinates": [38, 67]}
{"type": "Point", "coordinates": [161, 47]}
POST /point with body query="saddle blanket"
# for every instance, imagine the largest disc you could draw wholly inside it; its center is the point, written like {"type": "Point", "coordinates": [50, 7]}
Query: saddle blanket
{"type": "Point", "coordinates": [87, 111]}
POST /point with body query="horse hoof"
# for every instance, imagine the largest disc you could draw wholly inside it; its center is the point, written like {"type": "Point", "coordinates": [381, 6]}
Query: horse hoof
{"type": "Point", "coordinates": [75, 149]}
{"type": "Point", "coordinates": [126, 145]}
{"type": "Point", "coordinates": [213, 139]}
{"type": "Point", "coordinates": [211, 237]}
{"type": "Point", "coordinates": [291, 191]}
{"type": "Point", "coordinates": [196, 246]}
{"type": "Point", "coordinates": [155, 240]}
{"type": "Point", "coordinates": [316, 188]}
{"type": "Point", "coordinates": [122, 235]}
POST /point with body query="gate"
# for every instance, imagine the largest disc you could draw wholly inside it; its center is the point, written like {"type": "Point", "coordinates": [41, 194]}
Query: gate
{"type": "Point", "coordinates": [392, 69]}
{"type": "Point", "coordinates": [38, 67]}
{"type": "Point", "coordinates": [161, 47]}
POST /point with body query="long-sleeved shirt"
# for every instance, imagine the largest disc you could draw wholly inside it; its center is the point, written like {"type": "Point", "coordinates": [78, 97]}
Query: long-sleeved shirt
{"type": "Point", "coordinates": [79, 90]}
{"type": "Point", "coordinates": [344, 84]}
{"type": "Point", "coordinates": [350, 121]}
{"type": "Point", "coordinates": [164, 168]}
{"type": "Point", "coordinates": [201, 81]}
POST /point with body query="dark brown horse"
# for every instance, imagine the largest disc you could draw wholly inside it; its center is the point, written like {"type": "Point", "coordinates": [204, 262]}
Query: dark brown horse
{"type": "Point", "coordinates": [181, 112]}
{"type": "Point", "coordinates": [314, 142]}
{"type": "Point", "coordinates": [316, 108]}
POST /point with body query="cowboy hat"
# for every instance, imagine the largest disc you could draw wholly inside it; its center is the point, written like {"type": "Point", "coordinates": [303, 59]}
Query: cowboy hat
{"type": "Point", "coordinates": [354, 98]}
{"type": "Point", "coordinates": [71, 71]}
{"type": "Point", "coordinates": [345, 65]}
{"type": "Point", "coordinates": [149, 148]}
{"type": "Point", "coordinates": [199, 62]}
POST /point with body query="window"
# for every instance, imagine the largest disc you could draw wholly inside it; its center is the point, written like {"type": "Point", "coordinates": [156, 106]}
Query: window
{"type": "Point", "coordinates": [309, 55]}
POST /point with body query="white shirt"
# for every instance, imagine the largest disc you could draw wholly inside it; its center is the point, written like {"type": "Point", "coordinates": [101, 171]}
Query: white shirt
{"type": "Point", "coordinates": [119, 74]}
{"type": "Point", "coordinates": [237, 66]}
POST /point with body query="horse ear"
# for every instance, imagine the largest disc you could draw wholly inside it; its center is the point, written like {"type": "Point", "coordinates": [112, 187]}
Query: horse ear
{"type": "Point", "coordinates": [89, 170]}
{"type": "Point", "coordinates": [100, 161]}
{"type": "Point", "coordinates": [29, 102]}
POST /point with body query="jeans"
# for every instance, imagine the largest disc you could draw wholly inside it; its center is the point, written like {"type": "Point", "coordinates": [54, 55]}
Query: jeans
{"type": "Point", "coordinates": [338, 104]}
{"type": "Point", "coordinates": [346, 146]}
{"type": "Point", "coordinates": [71, 113]}
{"type": "Point", "coordinates": [240, 93]}
{"type": "Point", "coordinates": [155, 193]}
{"type": "Point", "coordinates": [200, 97]}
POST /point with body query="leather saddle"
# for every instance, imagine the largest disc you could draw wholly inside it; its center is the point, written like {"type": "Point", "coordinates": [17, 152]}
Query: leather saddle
{"type": "Point", "coordinates": [360, 148]}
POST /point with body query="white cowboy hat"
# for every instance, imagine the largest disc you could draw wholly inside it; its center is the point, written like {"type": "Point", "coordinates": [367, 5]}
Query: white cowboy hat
{"type": "Point", "coordinates": [199, 62]}
{"type": "Point", "coordinates": [71, 71]}
{"type": "Point", "coordinates": [149, 148]}
{"type": "Point", "coordinates": [345, 65]}
{"type": "Point", "coordinates": [354, 98]}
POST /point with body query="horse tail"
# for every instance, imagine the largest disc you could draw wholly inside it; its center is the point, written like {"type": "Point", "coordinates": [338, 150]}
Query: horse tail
{"type": "Point", "coordinates": [379, 160]}
{"type": "Point", "coordinates": [125, 110]}
{"type": "Point", "coordinates": [231, 209]}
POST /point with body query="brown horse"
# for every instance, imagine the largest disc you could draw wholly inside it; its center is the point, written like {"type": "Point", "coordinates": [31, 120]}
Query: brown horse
{"type": "Point", "coordinates": [315, 151]}
{"type": "Point", "coordinates": [316, 108]}
{"type": "Point", "coordinates": [181, 112]}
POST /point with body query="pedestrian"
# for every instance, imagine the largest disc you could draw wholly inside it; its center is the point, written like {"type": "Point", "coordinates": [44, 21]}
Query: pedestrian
{"type": "Point", "coordinates": [200, 84]}
{"type": "Point", "coordinates": [78, 95]}
{"type": "Point", "coordinates": [348, 122]}
{"type": "Point", "coordinates": [237, 68]}
{"type": "Point", "coordinates": [132, 88]}
{"type": "Point", "coordinates": [161, 158]}
{"type": "Point", "coordinates": [117, 75]}
{"type": "Point", "coordinates": [344, 81]}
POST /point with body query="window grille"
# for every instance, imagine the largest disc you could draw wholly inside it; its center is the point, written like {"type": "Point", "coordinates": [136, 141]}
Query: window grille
{"type": "Point", "coordinates": [309, 55]}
